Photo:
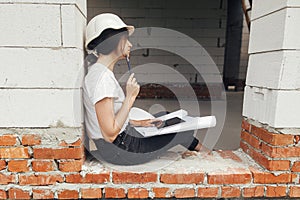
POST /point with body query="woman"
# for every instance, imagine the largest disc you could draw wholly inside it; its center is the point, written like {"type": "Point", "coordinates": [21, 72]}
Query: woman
{"type": "Point", "coordinates": [106, 106]}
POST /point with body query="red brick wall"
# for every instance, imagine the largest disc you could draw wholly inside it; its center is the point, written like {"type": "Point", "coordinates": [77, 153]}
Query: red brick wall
{"type": "Point", "coordinates": [31, 169]}
{"type": "Point", "coordinates": [273, 151]}
{"type": "Point", "coordinates": [177, 91]}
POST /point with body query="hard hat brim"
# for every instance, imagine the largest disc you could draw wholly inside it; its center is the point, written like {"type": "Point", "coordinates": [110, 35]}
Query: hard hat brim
{"type": "Point", "coordinates": [129, 28]}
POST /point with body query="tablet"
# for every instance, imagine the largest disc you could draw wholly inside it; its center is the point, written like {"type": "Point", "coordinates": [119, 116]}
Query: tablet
{"type": "Point", "coordinates": [171, 121]}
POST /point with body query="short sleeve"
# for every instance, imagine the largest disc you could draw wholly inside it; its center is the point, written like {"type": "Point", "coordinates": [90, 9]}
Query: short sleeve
{"type": "Point", "coordinates": [106, 87]}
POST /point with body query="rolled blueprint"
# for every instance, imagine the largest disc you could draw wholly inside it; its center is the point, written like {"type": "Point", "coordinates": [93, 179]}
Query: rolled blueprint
{"type": "Point", "coordinates": [191, 124]}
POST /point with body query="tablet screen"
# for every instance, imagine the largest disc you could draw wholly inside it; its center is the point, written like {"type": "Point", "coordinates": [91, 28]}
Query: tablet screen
{"type": "Point", "coordinates": [172, 121]}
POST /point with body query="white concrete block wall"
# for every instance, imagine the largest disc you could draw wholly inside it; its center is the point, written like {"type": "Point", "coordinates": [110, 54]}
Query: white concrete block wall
{"type": "Point", "coordinates": [40, 67]}
{"type": "Point", "coordinates": [73, 27]}
{"type": "Point", "coordinates": [41, 45]}
{"type": "Point", "coordinates": [272, 93]}
{"type": "Point", "coordinates": [40, 108]}
{"type": "Point", "coordinates": [283, 34]}
{"type": "Point", "coordinates": [277, 108]}
{"type": "Point", "coordinates": [204, 21]}
{"type": "Point", "coordinates": [275, 70]}
{"type": "Point", "coordinates": [28, 25]}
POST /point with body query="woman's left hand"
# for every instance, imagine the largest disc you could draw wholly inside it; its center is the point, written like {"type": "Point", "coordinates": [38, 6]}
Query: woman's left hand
{"type": "Point", "coordinates": [146, 122]}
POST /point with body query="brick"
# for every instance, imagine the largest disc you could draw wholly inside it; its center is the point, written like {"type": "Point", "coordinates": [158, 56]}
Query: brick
{"type": "Point", "coordinates": [274, 165]}
{"type": "Point", "coordinates": [15, 193]}
{"type": "Point", "coordinates": [182, 178]}
{"type": "Point", "coordinates": [162, 192]}
{"type": "Point", "coordinates": [3, 194]}
{"type": "Point", "coordinates": [296, 166]}
{"type": "Point", "coordinates": [280, 152]}
{"type": "Point", "coordinates": [42, 194]}
{"type": "Point", "coordinates": [244, 147]}
{"type": "Point", "coordinates": [73, 144]}
{"type": "Point", "coordinates": [254, 191]}
{"type": "Point", "coordinates": [184, 193]}
{"type": "Point", "coordinates": [267, 177]}
{"type": "Point", "coordinates": [272, 138]}
{"type": "Point", "coordinates": [42, 165]}
{"type": "Point", "coordinates": [88, 178]}
{"type": "Point", "coordinates": [40, 179]}
{"type": "Point", "coordinates": [2, 164]}
{"type": "Point", "coordinates": [68, 194]}
{"type": "Point", "coordinates": [276, 191]}
{"type": "Point", "coordinates": [115, 193]}
{"type": "Point", "coordinates": [229, 155]}
{"type": "Point", "coordinates": [90, 193]}
{"type": "Point", "coordinates": [70, 166]}
{"type": "Point", "coordinates": [31, 139]}
{"type": "Point", "coordinates": [294, 191]}
{"type": "Point", "coordinates": [258, 157]}
{"type": "Point", "coordinates": [63, 153]}
{"type": "Point", "coordinates": [18, 165]}
{"type": "Point", "coordinates": [208, 192]}
{"type": "Point", "coordinates": [230, 192]}
{"type": "Point", "coordinates": [250, 139]}
{"type": "Point", "coordinates": [140, 193]}
{"type": "Point", "coordinates": [278, 165]}
{"type": "Point", "coordinates": [246, 126]}
{"type": "Point", "coordinates": [8, 140]}
{"type": "Point", "coordinates": [126, 177]}
{"type": "Point", "coordinates": [230, 176]}
{"type": "Point", "coordinates": [5, 179]}
{"type": "Point", "coordinates": [14, 152]}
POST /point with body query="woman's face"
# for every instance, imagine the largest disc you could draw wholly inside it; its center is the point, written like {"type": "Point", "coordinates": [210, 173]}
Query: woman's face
{"type": "Point", "coordinates": [124, 47]}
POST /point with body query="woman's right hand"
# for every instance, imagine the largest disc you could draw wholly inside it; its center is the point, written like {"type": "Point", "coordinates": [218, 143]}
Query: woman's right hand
{"type": "Point", "coordinates": [132, 87]}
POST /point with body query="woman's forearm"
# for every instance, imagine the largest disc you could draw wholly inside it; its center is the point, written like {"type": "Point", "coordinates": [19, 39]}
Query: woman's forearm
{"type": "Point", "coordinates": [123, 113]}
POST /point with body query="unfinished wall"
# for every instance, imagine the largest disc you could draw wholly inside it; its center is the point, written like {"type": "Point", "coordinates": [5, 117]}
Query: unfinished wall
{"type": "Point", "coordinates": [271, 130]}
{"type": "Point", "coordinates": [204, 21]}
{"type": "Point", "coordinates": [41, 47]}
{"type": "Point", "coordinates": [41, 152]}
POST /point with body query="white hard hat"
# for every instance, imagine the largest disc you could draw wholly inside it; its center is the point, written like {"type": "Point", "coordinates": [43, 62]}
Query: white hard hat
{"type": "Point", "coordinates": [101, 22]}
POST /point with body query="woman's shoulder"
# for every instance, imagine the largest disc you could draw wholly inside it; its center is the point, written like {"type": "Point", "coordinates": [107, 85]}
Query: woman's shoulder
{"type": "Point", "coordinates": [97, 74]}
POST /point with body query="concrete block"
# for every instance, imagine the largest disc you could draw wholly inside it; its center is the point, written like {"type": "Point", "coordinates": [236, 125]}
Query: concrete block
{"type": "Point", "coordinates": [192, 4]}
{"type": "Point", "coordinates": [73, 27]}
{"type": "Point", "coordinates": [40, 108]}
{"type": "Point", "coordinates": [81, 4]}
{"type": "Point", "coordinates": [148, 22]}
{"type": "Point", "coordinates": [293, 3]}
{"type": "Point", "coordinates": [98, 3]}
{"type": "Point", "coordinates": [277, 108]}
{"type": "Point", "coordinates": [30, 25]}
{"type": "Point", "coordinates": [261, 8]}
{"type": "Point", "coordinates": [155, 13]}
{"type": "Point", "coordinates": [143, 4]}
{"type": "Point", "coordinates": [194, 13]}
{"type": "Point", "coordinates": [292, 32]}
{"type": "Point", "coordinates": [275, 70]}
{"type": "Point", "coordinates": [265, 7]}
{"type": "Point", "coordinates": [41, 67]}
{"type": "Point", "coordinates": [261, 30]}
{"type": "Point", "coordinates": [284, 32]}
{"type": "Point", "coordinates": [123, 4]}
{"type": "Point", "coordinates": [133, 12]}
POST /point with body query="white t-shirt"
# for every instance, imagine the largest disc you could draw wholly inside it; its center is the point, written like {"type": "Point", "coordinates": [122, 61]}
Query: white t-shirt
{"type": "Point", "coordinates": [100, 82]}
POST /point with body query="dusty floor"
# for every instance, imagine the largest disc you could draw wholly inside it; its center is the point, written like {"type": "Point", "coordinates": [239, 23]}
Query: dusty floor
{"type": "Point", "coordinates": [229, 134]}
